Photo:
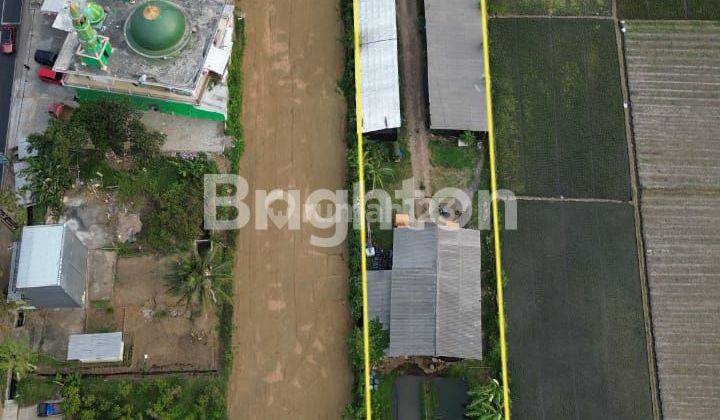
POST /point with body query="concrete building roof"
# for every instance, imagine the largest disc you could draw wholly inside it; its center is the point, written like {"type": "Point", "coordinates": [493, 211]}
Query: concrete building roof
{"type": "Point", "coordinates": [40, 261]}
{"type": "Point", "coordinates": [456, 85]}
{"type": "Point", "coordinates": [379, 65]}
{"type": "Point", "coordinates": [96, 348]}
{"type": "Point", "coordinates": [181, 72]}
{"type": "Point", "coordinates": [430, 300]}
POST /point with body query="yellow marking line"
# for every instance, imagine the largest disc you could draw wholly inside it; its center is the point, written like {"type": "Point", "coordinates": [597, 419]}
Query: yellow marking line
{"type": "Point", "coordinates": [361, 210]}
{"type": "Point", "coordinates": [493, 188]}
{"type": "Point", "coordinates": [496, 221]}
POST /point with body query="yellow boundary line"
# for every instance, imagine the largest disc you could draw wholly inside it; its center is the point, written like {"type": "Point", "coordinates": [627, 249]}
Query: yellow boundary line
{"type": "Point", "coordinates": [493, 188]}
{"type": "Point", "coordinates": [361, 210]}
{"type": "Point", "coordinates": [495, 213]}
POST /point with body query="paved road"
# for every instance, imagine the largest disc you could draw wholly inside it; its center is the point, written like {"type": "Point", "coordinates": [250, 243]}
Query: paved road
{"type": "Point", "coordinates": [10, 14]}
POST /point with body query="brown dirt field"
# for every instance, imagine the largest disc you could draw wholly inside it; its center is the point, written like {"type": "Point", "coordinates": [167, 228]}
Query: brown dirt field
{"type": "Point", "coordinates": [291, 312]}
{"type": "Point", "coordinates": [413, 69]}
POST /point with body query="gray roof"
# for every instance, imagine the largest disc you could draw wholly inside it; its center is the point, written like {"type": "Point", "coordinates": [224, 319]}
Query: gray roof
{"type": "Point", "coordinates": [379, 295]}
{"type": "Point", "coordinates": [431, 300]}
{"type": "Point", "coordinates": [456, 86]}
{"type": "Point", "coordinates": [379, 65]}
{"type": "Point", "coordinates": [40, 261]}
{"type": "Point", "coordinates": [88, 348]}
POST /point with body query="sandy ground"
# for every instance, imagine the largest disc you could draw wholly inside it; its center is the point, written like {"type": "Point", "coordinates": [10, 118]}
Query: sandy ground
{"type": "Point", "coordinates": [413, 89]}
{"type": "Point", "coordinates": [291, 312]}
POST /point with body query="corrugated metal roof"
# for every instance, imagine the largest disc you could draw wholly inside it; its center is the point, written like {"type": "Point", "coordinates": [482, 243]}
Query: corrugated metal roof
{"type": "Point", "coordinates": [455, 65]}
{"type": "Point", "coordinates": [40, 256]}
{"type": "Point", "coordinates": [458, 303]}
{"type": "Point", "coordinates": [379, 65]}
{"type": "Point", "coordinates": [434, 293]}
{"type": "Point", "coordinates": [89, 348]}
{"type": "Point", "coordinates": [378, 287]}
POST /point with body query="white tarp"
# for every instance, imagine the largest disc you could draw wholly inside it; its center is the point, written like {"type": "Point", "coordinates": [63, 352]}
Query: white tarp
{"type": "Point", "coordinates": [217, 60]}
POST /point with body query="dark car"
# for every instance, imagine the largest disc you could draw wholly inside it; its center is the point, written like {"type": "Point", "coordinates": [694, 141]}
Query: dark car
{"type": "Point", "coordinates": [49, 408]}
{"type": "Point", "coordinates": [46, 58]}
{"type": "Point", "coordinates": [7, 38]}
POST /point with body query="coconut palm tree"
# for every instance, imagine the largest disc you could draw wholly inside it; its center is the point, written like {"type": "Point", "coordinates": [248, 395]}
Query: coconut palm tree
{"type": "Point", "coordinates": [16, 355]}
{"type": "Point", "coordinates": [200, 279]}
{"type": "Point", "coordinates": [486, 402]}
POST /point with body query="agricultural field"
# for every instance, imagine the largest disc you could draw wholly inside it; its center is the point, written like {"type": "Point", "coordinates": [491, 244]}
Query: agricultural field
{"type": "Point", "coordinates": [558, 108]}
{"type": "Point", "coordinates": [576, 335]}
{"type": "Point", "coordinates": [550, 7]}
{"type": "Point", "coordinates": [669, 9]}
{"type": "Point", "coordinates": [675, 102]}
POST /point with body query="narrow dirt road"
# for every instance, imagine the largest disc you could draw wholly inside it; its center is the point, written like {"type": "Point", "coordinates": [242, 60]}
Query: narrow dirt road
{"type": "Point", "coordinates": [291, 312]}
{"type": "Point", "coordinates": [413, 92]}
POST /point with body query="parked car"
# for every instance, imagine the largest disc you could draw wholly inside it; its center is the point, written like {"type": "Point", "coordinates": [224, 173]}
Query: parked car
{"type": "Point", "coordinates": [7, 38]}
{"type": "Point", "coordinates": [48, 75]}
{"type": "Point", "coordinates": [45, 58]}
{"type": "Point", "coordinates": [49, 409]}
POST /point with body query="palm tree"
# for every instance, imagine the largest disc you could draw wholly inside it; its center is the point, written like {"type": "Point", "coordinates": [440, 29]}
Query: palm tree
{"type": "Point", "coordinates": [199, 279]}
{"type": "Point", "coordinates": [17, 356]}
{"type": "Point", "coordinates": [376, 169]}
{"type": "Point", "coordinates": [486, 402]}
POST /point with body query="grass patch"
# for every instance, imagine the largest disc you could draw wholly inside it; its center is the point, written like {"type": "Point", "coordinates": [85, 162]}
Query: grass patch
{"type": "Point", "coordinates": [235, 89]}
{"type": "Point", "coordinates": [32, 390]}
{"type": "Point", "coordinates": [559, 109]}
{"type": "Point", "coordinates": [429, 402]}
{"type": "Point", "coordinates": [669, 9]}
{"type": "Point", "coordinates": [551, 7]}
{"type": "Point", "coordinates": [452, 166]}
{"type": "Point", "coordinates": [573, 290]}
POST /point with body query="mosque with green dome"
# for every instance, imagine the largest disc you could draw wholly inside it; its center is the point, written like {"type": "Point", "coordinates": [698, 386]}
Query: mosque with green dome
{"type": "Point", "coordinates": [165, 55]}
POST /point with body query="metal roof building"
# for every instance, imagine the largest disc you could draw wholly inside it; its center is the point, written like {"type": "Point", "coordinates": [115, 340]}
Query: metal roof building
{"type": "Point", "coordinates": [430, 300]}
{"type": "Point", "coordinates": [379, 65]}
{"type": "Point", "coordinates": [96, 348]}
{"type": "Point", "coordinates": [456, 85]}
{"type": "Point", "coordinates": [50, 271]}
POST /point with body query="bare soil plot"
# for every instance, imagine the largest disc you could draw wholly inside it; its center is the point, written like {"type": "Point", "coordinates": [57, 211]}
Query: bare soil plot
{"type": "Point", "coordinates": [291, 313]}
{"type": "Point", "coordinates": [575, 321]}
{"type": "Point", "coordinates": [674, 77]}
{"type": "Point", "coordinates": [674, 80]}
{"type": "Point", "coordinates": [669, 9]}
{"type": "Point", "coordinates": [550, 7]}
{"type": "Point", "coordinates": [558, 108]}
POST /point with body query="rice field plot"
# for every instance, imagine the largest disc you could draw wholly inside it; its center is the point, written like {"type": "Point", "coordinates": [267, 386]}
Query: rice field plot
{"type": "Point", "coordinates": [551, 7]}
{"type": "Point", "coordinates": [669, 9]}
{"type": "Point", "coordinates": [558, 108]}
{"type": "Point", "coordinates": [576, 335]}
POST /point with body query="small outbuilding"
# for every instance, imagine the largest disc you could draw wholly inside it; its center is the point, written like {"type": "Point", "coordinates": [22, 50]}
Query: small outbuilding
{"type": "Point", "coordinates": [96, 348]}
{"type": "Point", "coordinates": [50, 268]}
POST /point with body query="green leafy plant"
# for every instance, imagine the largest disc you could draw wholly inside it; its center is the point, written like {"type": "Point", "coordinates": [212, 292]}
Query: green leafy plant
{"type": "Point", "coordinates": [16, 355]}
{"type": "Point", "coordinates": [377, 167]}
{"type": "Point", "coordinates": [198, 279]}
{"type": "Point", "coordinates": [486, 402]}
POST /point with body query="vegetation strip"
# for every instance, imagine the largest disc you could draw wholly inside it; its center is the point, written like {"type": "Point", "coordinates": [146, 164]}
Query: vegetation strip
{"type": "Point", "coordinates": [496, 225]}
{"type": "Point", "coordinates": [361, 207]}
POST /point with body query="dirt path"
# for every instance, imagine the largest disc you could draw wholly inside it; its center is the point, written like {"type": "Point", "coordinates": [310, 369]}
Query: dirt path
{"type": "Point", "coordinates": [412, 67]}
{"type": "Point", "coordinates": [291, 312]}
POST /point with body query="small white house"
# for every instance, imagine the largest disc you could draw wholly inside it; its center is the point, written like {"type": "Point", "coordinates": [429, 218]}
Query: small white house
{"type": "Point", "coordinates": [49, 268]}
{"type": "Point", "coordinates": [96, 348]}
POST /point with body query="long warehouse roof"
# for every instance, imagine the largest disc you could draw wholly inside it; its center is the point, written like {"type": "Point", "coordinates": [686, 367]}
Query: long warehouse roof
{"type": "Point", "coordinates": [455, 65]}
{"type": "Point", "coordinates": [379, 65]}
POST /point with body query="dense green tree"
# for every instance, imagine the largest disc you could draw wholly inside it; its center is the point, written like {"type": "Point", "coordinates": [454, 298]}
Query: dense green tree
{"type": "Point", "coordinates": [486, 401]}
{"type": "Point", "coordinates": [16, 355]}
{"type": "Point", "coordinates": [199, 278]}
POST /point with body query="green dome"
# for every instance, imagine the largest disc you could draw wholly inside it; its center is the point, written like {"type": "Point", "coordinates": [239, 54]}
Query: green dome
{"type": "Point", "coordinates": [157, 29]}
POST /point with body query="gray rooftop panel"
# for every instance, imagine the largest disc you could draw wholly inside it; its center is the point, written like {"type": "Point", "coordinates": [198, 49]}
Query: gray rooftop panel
{"type": "Point", "coordinates": [455, 65]}
{"type": "Point", "coordinates": [415, 248]}
{"type": "Point", "coordinates": [39, 263]}
{"type": "Point", "coordinates": [458, 303]}
{"type": "Point", "coordinates": [379, 65]}
{"type": "Point", "coordinates": [412, 312]}
{"type": "Point", "coordinates": [378, 288]}
{"type": "Point", "coordinates": [105, 347]}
